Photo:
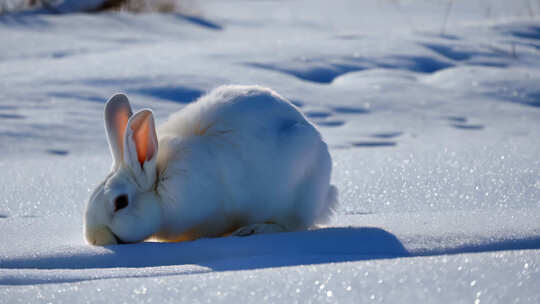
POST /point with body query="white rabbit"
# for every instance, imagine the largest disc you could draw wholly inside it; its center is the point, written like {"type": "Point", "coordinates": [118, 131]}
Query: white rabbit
{"type": "Point", "coordinates": [239, 160]}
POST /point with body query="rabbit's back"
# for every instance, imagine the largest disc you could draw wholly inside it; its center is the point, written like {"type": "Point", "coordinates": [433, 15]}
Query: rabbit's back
{"type": "Point", "coordinates": [242, 155]}
{"type": "Point", "coordinates": [238, 107]}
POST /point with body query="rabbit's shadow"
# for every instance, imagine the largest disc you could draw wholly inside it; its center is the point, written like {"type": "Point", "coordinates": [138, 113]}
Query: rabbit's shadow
{"type": "Point", "coordinates": [327, 245]}
{"type": "Point", "coordinates": [321, 246]}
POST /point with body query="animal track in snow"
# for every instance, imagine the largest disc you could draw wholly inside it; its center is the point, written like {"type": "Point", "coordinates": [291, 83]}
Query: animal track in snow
{"type": "Point", "coordinates": [456, 118]}
{"type": "Point", "coordinates": [387, 135]}
{"type": "Point", "coordinates": [11, 116]}
{"type": "Point", "coordinates": [330, 123]}
{"type": "Point", "coordinates": [468, 126]}
{"type": "Point", "coordinates": [321, 117]}
{"type": "Point", "coordinates": [318, 114]}
{"type": "Point", "coordinates": [460, 122]}
{"type": "Point", "coordinates": [58, 152]}
{"type": "Point", "coordinates": [350, 110]}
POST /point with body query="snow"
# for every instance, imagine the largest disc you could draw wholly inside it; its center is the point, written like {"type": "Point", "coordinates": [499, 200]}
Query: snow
{"type": "Point", "coordinates": [432, 132]}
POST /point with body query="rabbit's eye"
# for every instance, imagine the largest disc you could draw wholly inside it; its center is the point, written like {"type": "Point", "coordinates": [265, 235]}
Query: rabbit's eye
{"type": "Point", "coordinates": [120, 202]}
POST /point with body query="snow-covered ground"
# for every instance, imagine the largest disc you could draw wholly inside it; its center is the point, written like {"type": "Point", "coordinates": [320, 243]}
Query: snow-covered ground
{"type": "Point", "coordinates": [434, 137]}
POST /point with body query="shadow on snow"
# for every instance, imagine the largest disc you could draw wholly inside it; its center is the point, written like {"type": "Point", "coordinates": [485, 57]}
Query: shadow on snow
{"type": "Point", "coordinates": [173, 93]}
{"type": "Point", "coordinates": [323, 71]}
{"type": "Point", "coordinates": [296, 248]}
{"type": "Point", "coordinates": [322, 246]}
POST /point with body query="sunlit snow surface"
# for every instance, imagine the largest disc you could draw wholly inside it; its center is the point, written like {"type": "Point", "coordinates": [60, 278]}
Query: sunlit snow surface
{"type": "Point", "coordinates": [434, 139]}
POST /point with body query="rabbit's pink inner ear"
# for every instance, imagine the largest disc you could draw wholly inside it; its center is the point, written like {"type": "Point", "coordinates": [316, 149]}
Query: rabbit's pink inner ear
{"type": "Point", "coordinates": [144, 136]}
{"type": "Point", "coordinates": [120, 121]}
{"type": "Point", "coordinates": [117, 114]}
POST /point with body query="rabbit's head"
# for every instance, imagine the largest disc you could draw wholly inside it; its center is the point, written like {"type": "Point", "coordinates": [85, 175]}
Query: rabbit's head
{"type": "Point", "coordinates": [124, 208]}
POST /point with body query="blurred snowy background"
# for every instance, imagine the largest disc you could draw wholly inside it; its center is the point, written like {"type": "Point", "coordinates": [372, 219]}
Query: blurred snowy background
{"type": "Point", "coordinates": [431, 110]}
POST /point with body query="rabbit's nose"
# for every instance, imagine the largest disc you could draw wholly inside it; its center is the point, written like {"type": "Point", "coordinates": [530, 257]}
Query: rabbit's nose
{"type": "Point", "coordinates": [101, 237]}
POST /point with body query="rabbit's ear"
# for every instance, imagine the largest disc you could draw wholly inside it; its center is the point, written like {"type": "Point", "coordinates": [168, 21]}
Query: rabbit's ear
{"type": "Point", "coordinates": [117, 113]}
{"type": "Point", "coordinates": [140, 140]}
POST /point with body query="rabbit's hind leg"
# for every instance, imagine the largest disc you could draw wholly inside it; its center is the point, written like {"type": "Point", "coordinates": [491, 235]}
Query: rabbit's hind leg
{"type": "Point", "coordinates": [260, 228]}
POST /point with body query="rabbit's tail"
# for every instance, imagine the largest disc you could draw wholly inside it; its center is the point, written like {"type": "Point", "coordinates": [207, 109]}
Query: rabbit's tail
{"type": "Point", "coordinates": [329, 206]}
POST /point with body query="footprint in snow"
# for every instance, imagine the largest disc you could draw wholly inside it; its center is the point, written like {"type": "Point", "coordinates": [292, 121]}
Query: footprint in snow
{"type": "Point", "coordinates": [468, 126]}
{"type": "Point", "coordinates": [57, 152]}
{"type": "Point", "coordinates": [460, 122]}
{"type": "Point", "coordinates": [318, 114]}
{"type": "Point", "coordinates": [330, 123]}
{"type": "Point", "coordinates": [350, 110]}
{"type": "Point", "coordinates": [387, 135]}
{"type": "Point", "coordinates": [456, 118]}
{"type": "Point", "coordinates": [11, 116]}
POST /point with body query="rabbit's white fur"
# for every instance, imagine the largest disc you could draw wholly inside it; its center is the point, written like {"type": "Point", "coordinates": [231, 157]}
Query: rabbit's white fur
{"type": "Point", "coordinates": [240, 156]}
